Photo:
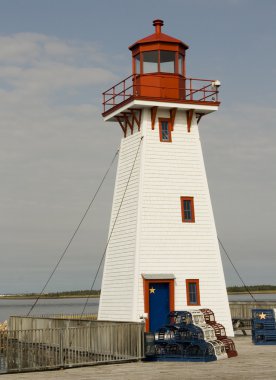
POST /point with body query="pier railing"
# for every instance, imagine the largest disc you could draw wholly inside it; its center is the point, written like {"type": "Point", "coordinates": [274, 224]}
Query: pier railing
{"type": "Point", "coordinates": [191, 90]}
{"type": "Point", "coordinates": [241, 313]}
{"type": "Point", "coordinates": [242, 309]}
{"type": "Point", "coordinates": [98, 342]}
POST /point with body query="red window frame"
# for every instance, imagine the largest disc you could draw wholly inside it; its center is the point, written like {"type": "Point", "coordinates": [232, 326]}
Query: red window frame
{"type": "Point", "coordinates": [160, 120]}
{"type": "Point", "coordinates": [191, 199]}
{"type": "Point", "coordinates": [196, 282]}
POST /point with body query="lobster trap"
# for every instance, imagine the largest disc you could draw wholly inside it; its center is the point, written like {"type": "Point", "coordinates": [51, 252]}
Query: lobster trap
{"type": "Point", "coordinates": [191, 335]}
{"type": "Point", "coordinates": [263, 327]}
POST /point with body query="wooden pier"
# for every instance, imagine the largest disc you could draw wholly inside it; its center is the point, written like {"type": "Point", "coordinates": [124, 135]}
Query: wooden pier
{"type": "Point", "coordinates": [39, 343]}
{"type": "Point", "coordinates": [90, 343]}
{"type": "Point", "coordinates": [253, 362]}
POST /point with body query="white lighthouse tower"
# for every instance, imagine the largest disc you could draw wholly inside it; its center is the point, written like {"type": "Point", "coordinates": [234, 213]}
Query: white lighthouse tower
{"type": "Point", "coordinates": [163, 252]}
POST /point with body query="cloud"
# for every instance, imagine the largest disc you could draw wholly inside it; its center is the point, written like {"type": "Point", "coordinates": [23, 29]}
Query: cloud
{"type": "Point", "coordinates": [34, 65]}
{"type": "Point", "coordinates": [51, 152]}
{"type": "Point", "coordinates": [54, 149]}
{"type": "Point", "coordinates": [46, 82]}
{"type": "Point", "coordinates": [24, 48]}
{"type": "Point", "coordinates": [239, 151]}
{"type": "Point", "coordinates": [245, 134]}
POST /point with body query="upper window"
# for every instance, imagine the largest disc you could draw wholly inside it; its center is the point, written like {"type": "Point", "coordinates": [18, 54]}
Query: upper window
{"type": "Point", "coordinates": [165, 130]}
{"type": "Point", "coordinates": [192, 290]}
{"type": "Point", "coordinates": [167, 61]}
{"type": "Point", "coordinates": [159, 61]}
{"type": "Point", "coordinates": [180, 64]}
{"type": "Point", "coordinates": [137, 64]}
{"type": "Point", "coordinates": [150, 61]}
{"type": "Point", "coordinates": [187, 209]}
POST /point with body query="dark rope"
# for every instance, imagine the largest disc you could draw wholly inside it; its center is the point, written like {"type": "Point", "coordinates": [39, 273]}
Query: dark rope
{"type": "Point", "coordinates": [245, 286]}
{"type": "Point", "coordinates": [117, 215]}
{"type": "Point", "coordinates": [74, 234]}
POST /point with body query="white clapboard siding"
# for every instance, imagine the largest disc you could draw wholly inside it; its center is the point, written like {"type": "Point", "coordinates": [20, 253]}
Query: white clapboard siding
{"type": "Point", "coordinates": [188, 250]}
{"type": "Point", "coordinates": [149, 236]}
{"type": "Point", "coordinates": [118, 277]}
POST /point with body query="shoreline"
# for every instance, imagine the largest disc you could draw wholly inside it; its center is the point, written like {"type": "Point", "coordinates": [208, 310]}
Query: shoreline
{"type": "Point", "coordinates": [26, 297]}
{"type": "Point", "coordinates": [252, 292]}
{"type": "Point", "coordinates": [48, 297]}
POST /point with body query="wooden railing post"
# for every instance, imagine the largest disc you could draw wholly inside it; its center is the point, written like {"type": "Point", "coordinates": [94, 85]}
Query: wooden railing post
{"type": "Point", "coordinates": [61, 356]}
{"type": "Point", "coordinates": [191, 93]}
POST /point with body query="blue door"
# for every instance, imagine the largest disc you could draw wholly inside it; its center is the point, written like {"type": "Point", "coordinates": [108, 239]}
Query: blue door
{"type": "Point", "coordinates": [159, 304]}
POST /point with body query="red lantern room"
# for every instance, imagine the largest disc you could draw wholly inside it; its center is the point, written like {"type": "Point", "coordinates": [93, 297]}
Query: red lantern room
{"type": "Point", "coordinates": [159, 65]}
{"type": "Point", "coordinates": [159, 76]}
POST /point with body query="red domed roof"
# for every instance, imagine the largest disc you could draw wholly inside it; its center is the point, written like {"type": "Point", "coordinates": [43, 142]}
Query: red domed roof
{"type": "Point", "coordinates": [158, 36]}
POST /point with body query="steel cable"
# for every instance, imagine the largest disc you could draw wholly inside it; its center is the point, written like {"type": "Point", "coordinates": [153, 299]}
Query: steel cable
{"type": "Point", "coordinates": [74, 234]}
{"type": "Point", "coordinates": [112, 229]}
{"type": "Point", "coordinates": [245, 286]}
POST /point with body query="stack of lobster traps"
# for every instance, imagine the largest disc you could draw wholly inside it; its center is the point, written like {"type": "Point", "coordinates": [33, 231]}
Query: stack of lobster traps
{"type": "Point", "coordinates": [190, 335]}
{"type": "Point", "coordinates": [264, 326]}
{"type": "Point", "coordinates": [220, 332]}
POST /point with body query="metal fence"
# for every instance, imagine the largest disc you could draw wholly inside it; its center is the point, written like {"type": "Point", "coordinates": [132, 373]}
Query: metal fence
{"type": "Point", "coordinates": [100, 342]}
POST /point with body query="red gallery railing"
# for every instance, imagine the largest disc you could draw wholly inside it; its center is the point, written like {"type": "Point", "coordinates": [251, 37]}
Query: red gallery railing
{"type": "Point", "coordinates": [194, 90]}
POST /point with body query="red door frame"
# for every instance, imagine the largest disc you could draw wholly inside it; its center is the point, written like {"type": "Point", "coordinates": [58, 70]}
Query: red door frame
{"type": "Point", "coordinates": [146, 296]}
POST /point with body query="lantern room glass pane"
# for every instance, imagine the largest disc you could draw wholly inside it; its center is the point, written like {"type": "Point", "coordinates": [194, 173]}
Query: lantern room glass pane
{"type": "Point", "coordinates": [150, 61]}
{"type": "Point", "coordinates": [180, 64]}
{"type": "Point", "coordinates": [137, 64]}
{"type": "Point", "coordinates": [167, 61]}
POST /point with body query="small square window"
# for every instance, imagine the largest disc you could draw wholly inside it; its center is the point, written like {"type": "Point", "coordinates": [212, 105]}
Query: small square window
{"type": "Point", "coordinates": [192, 289]}
{"type": "Point", "coordinates": [165, 130]}
{"type": "Point", "coordinates": [187, 209]}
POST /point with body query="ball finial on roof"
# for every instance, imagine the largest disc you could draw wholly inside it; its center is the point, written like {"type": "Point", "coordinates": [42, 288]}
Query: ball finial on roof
{"type": "Point", "coordinates": [158, 25]}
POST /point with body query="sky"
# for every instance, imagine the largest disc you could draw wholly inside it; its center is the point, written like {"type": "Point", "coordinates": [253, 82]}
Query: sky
{"type": "Point", "coordinates": [56, 59]}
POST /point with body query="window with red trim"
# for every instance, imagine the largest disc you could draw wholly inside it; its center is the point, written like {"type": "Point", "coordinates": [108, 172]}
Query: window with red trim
{"type": "Point", "coordinates": [165, 131]}
{"type": "Point", "coordinates": [187, 209]}
{"type": "Point", "coordinates": [164, 61]}
{"type": "Point", "coordinates": [193, 294]}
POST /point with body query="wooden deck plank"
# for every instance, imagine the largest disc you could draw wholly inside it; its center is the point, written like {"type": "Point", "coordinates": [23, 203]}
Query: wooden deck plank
{"type": "Point", "coordinates": [253, 362]}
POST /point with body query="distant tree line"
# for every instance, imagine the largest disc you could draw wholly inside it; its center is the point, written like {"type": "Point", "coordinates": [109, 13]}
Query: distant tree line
{"type": "Point", "coordinates": [67, 293]}
{"type": "Point", "coordinates": [75, 293]}
{"type": "Point", "coordinates": [96, 293]}
{"type": "Point", "coordinates": [252, 288]}
{"type": "Point", "coordinates": [81, 292]}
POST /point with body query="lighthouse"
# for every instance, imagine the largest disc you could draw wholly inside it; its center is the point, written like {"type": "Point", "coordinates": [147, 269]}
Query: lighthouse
{"type": "Point", "coordinates": [163, 253]}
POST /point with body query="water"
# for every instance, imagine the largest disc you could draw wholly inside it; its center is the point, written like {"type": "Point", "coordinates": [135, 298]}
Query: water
{"type": "Point", "coordinates": [257, 296]}
{"type": "Point", "coordinates": [47, 306]}
{"type": "Point", "coordinates": [75, 305]}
